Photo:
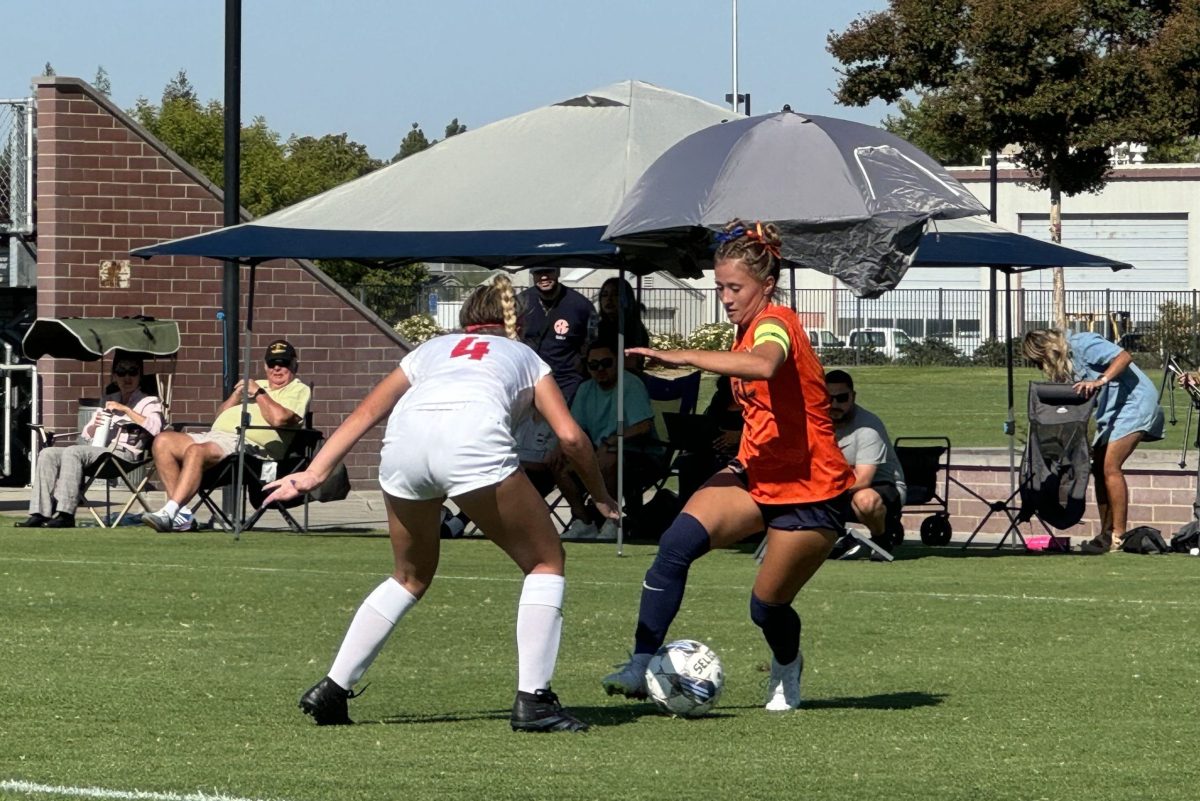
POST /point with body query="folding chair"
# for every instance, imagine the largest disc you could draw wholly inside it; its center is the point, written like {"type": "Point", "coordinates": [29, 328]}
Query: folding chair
{"type": "Point", "coordinates": [667, 395]}
{"type": "Point", "coordinates": [257, 472]}
{"type": "Point", "coordinates": [1055, 467]}
{"type": "Point", "coordinates": [923, 460]}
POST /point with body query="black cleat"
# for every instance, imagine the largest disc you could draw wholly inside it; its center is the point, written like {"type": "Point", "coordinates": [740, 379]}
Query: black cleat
{"type": "Point", "coordinates": [34, 520]}
{"type": "Point", "coordinates": [326, 702]}
{"type": "Point", "coordinates": [541, 711]}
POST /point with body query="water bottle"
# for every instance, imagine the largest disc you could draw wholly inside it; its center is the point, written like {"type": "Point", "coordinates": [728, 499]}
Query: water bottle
{"type": "Point", "coordinates": [103, 427]}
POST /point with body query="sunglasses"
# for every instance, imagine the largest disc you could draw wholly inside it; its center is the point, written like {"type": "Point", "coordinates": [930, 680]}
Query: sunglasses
{"type": "Point", "coordinates": [841, 397]}
{"type": "Point", "coordinates": [125, 373]}
{"type": "Point", "coordinates": [600, 364]}
{"type": "Point", "coordinates": [279, 363]}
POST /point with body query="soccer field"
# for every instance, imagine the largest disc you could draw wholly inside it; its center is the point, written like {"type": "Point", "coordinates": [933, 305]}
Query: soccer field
{"type": "Point", "coordinates": [171, 665]}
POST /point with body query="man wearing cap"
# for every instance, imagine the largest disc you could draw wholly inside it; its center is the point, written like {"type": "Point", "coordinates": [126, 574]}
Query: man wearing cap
{"type": "Point", "coordinates": [181, 458]}
{"type": "Point", "coordinates": [555, 322]}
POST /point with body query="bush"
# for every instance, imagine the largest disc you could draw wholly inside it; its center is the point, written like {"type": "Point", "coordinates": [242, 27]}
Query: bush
{"type": "Point", "coordinates": [714, 336]}
{"type": "Point", "coordinates": [671, 341]}
{"type": "Point", "coordinates": [1176, 331]}
{"type": "Point", "coordinates": [418, 328]}
{"type": "Point", "coordinates": [852, 356]}
{"type": "Point", "coordinates": [991, 354]}
{"type": "Point", "coordinates": [932, 352]}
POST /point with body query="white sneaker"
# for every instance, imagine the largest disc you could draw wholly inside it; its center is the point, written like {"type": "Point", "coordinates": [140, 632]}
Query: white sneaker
{"type": "Point", "coordinates": [184, 520]}
{"type": "Point", "coordinates": [783, 688]}
{"type": "Point", "coordinates": [630, 678]}
{"type": "Point", "coordinates": [580, 530]}
{"type": "Point", "coordinates": [608, 531]}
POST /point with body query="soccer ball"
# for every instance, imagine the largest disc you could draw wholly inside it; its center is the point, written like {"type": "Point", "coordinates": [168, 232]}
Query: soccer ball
{"type": "Point", "coordinates": [684, 678]}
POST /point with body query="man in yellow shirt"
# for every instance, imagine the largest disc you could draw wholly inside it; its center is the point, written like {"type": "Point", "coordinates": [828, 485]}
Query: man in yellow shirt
{"type": "Point", "coordinates": [182, 458]}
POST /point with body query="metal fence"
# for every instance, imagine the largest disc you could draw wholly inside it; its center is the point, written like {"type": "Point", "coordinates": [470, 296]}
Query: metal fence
{"type": "Point", "coordinates": [962, 318]}
{"type": "Point", "coordinates": [16, 166]}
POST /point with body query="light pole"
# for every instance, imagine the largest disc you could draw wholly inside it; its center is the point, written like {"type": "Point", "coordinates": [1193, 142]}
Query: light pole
{"type": "Point", "coordinates": [733, 98]}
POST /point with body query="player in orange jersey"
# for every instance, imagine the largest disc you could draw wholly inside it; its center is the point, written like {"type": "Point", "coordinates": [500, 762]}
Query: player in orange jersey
{"type": "Point", "coordinates": [789, 477]}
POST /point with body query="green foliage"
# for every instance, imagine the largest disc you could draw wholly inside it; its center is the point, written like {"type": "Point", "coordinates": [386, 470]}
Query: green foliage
{"type": "Point", "coordinates": [393, 293]}
{"type": "Point", "coordinates": [853, 356]}
{"type": "Point", "coordinates": [991, 354]}
{"type": "Point", "coordinates": [454, 128]}
{"type": "Point", "coordinates": [48, 70]}
{"type": "Point", "coordinates": [931, 352]}
{"type": "Point", "coordinates": [1183, 150]}
{"type": "Point", "coordinates": [713, 336]}
{"type": "Point", "coordinates": [1176, 332]}
{"type": "Point", "coordinates": [418, 328]}
{"type": "Point", "coordinates": [180, 88]}
{"type": "Point", "coordinates": [671, 341]}
{"type": "Point", "coordinates": [102, 82]}
{"type": "Point", "coordinates": [413, 142]}
{"type": "Point", "coordinates": [1065, 81]}
{"type": "Point", "coordinates": [919, 124]}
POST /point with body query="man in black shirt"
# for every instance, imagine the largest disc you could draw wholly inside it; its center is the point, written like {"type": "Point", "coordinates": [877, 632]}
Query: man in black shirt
{"type": "Point", "coordinates": [556, 320]}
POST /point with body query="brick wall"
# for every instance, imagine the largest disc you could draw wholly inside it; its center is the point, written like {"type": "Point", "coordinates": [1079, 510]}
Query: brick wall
{"type": "Point", "coordinates": [105, 187]}
{"type": "Point", "coordinates": [1159, 498]}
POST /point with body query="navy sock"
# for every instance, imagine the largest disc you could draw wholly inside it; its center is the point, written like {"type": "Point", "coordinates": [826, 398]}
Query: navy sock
{"type": "Point", "coordinates": [780, 626]}
{"type": "Point", "coordinates": [662, 591]}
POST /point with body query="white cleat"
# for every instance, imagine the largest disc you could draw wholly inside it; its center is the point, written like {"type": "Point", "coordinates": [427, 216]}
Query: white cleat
{"type": "Point", "coordinates": [783, 688]}
{"type": "Point", "coordinates": [630, 678]}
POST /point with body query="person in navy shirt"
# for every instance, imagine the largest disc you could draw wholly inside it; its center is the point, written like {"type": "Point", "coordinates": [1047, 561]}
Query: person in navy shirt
{"type": "Point", "coordinates": [555, 323]}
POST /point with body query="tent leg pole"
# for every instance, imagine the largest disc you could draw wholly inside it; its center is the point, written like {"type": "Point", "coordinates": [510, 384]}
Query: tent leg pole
{"type": "Point", "coordinates": [1010, 424]}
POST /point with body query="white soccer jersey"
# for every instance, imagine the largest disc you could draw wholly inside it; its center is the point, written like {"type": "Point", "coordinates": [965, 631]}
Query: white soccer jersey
{"type": "Point", "coordinates": [452, 430]}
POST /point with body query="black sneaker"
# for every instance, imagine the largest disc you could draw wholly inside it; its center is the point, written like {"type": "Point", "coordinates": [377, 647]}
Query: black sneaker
{"type": "Point", "coordinates": [541, 711]}
{"type": "Point", "coordinates": [326, 702]}
{"type": "Point", "coordinates": [60, 520]}
{"type": "Point", "coordinates": [34, 520]}
{"type": "Point", "coordinates": [1098, 545]}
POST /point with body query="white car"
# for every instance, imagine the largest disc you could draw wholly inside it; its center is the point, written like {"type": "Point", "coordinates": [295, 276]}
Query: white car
{"type": "Point", "coordinates": [823, 338]}
{"type": "Point", "coordinates": [885, 340]}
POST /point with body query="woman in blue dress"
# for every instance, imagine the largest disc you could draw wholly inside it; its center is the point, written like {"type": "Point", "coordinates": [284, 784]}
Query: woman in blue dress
{"type": "Point", "coordinates": [1127, 412]}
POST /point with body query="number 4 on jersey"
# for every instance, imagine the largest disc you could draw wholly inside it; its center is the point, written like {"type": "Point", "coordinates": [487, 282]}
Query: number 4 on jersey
{"type": "Point", "coordinates": [469, 347]}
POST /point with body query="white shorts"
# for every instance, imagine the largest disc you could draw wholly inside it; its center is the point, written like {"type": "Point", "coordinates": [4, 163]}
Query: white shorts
{"type": "Point", "coordinates": [444, 452]}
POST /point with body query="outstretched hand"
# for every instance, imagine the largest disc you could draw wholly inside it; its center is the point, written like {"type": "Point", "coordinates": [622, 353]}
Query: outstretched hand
{"type": "Point", "coordinates": [292, 486]}
{"type": "Point", "coordinates": [607, 507]}
{"type": "Point", "coordinates": [676, 358]}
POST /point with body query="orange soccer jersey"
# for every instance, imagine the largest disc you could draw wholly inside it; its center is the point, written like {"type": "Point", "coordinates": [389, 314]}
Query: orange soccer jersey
{"type": "Point", "coordinates": [788, 446]}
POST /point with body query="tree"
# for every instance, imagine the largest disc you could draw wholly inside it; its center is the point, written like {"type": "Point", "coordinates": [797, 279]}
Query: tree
{"type": "Point", "coordinates": [101, 81]}
{"type": "Point", "coordinates": [179, 88]}
{"type": "Point", "coordinates": [454, 129]}
{"type": "Point", "coordinates": [1064, 79]}
{"type": "Point", "coordinates": [414, 142]}
{"type": "Point", "coordinates": [917, 123]}
{"type": "Point", "coordinates": [48, 69]}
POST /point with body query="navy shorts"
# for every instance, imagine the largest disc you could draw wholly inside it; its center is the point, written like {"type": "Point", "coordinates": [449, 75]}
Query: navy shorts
{"type": "Point", "coordinates": [830, 514]}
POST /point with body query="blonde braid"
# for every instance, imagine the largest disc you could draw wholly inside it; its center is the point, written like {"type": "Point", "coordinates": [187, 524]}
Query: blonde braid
{"type": "Point", "coordinates": [508, 302]}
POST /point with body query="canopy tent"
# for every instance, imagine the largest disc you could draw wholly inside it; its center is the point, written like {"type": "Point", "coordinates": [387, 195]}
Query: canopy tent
{"type": "Point", "coordinates": [532, 189]}
{"type": "Point", "coordinates": [975, 242]}
{"type": "Point", "coordinates": [88, 339]}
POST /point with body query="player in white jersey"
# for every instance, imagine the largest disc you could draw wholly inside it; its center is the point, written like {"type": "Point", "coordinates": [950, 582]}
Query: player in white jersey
{"type": "Point", "coordinates": [453, 403]}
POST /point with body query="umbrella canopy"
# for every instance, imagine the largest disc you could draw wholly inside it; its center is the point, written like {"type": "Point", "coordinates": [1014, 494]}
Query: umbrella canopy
{"type": "Point", "coordinates": [88, 339]}
{"type": "Point", "coordinates": [972, 242]}
{"type": "Point", "coordinates": [532, 189]}
{"type": "Point", "coordinates": [849, 199]}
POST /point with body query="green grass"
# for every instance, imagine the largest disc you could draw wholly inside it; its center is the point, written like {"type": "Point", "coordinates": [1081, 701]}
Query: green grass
{"type": "Point", "coordinates": [966, 404]}
{"type": "Point", "coordinates": [173, 664]}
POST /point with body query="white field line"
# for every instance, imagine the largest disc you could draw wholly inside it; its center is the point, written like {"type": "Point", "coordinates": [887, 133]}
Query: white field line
{"type": "Point", "coordinates": [937, 596]}
{"type": "Point", "coordinates": [30, 788]}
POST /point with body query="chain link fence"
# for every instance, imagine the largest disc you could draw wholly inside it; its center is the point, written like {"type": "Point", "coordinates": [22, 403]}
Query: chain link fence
{"type": "Point", "coordinates": [16, 166]}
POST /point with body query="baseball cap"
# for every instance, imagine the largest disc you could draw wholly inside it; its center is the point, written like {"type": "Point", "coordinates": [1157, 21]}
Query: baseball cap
{"type": "Point", "coordinates": [278, 350]}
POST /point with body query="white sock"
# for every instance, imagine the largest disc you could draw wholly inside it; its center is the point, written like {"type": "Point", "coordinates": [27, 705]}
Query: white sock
{"type": "Point", "coordinates": [169, 509]}
{"type": "Point", "coordinates": [539, 629]}
{"type": "Point", "coordinates": [369, 630]}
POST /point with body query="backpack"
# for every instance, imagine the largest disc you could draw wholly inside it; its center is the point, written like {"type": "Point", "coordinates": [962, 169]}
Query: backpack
{"type": "Point", "coordinates": [1144, 539]}
{"type": "Point", "coordinates": [1186, 538]}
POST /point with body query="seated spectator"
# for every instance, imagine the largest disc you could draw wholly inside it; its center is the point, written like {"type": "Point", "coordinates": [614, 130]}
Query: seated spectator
{"type": "Point", "coordinates": [133, 419]}
{"type": "Point", "coordinates": [182, 458]}
{"type": "Point", "coordinates": [878, 491]}
{"type": "Point", "coordinates": [696, 467]}
{"type": "Point", "coordinates": [616, 300]}
{"type": "Point", "coordinates": [595, 409]}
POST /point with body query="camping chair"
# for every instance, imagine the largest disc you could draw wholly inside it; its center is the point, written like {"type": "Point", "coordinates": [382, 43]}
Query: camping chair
{"type": "Point", "coordinates": [1055, 467]}
{"type": "Point", "coordinates": [923, 459]}
{"type": "Point", "coordinates": [680, 396]}
{"type": "Point", "coordinates": [113, 466]}
{"type": "Point", "coordinates": [257, 472]}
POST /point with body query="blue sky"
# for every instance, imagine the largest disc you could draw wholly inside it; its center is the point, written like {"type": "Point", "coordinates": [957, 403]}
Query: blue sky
{"type": "Point", "coordinates": [371, 68]}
